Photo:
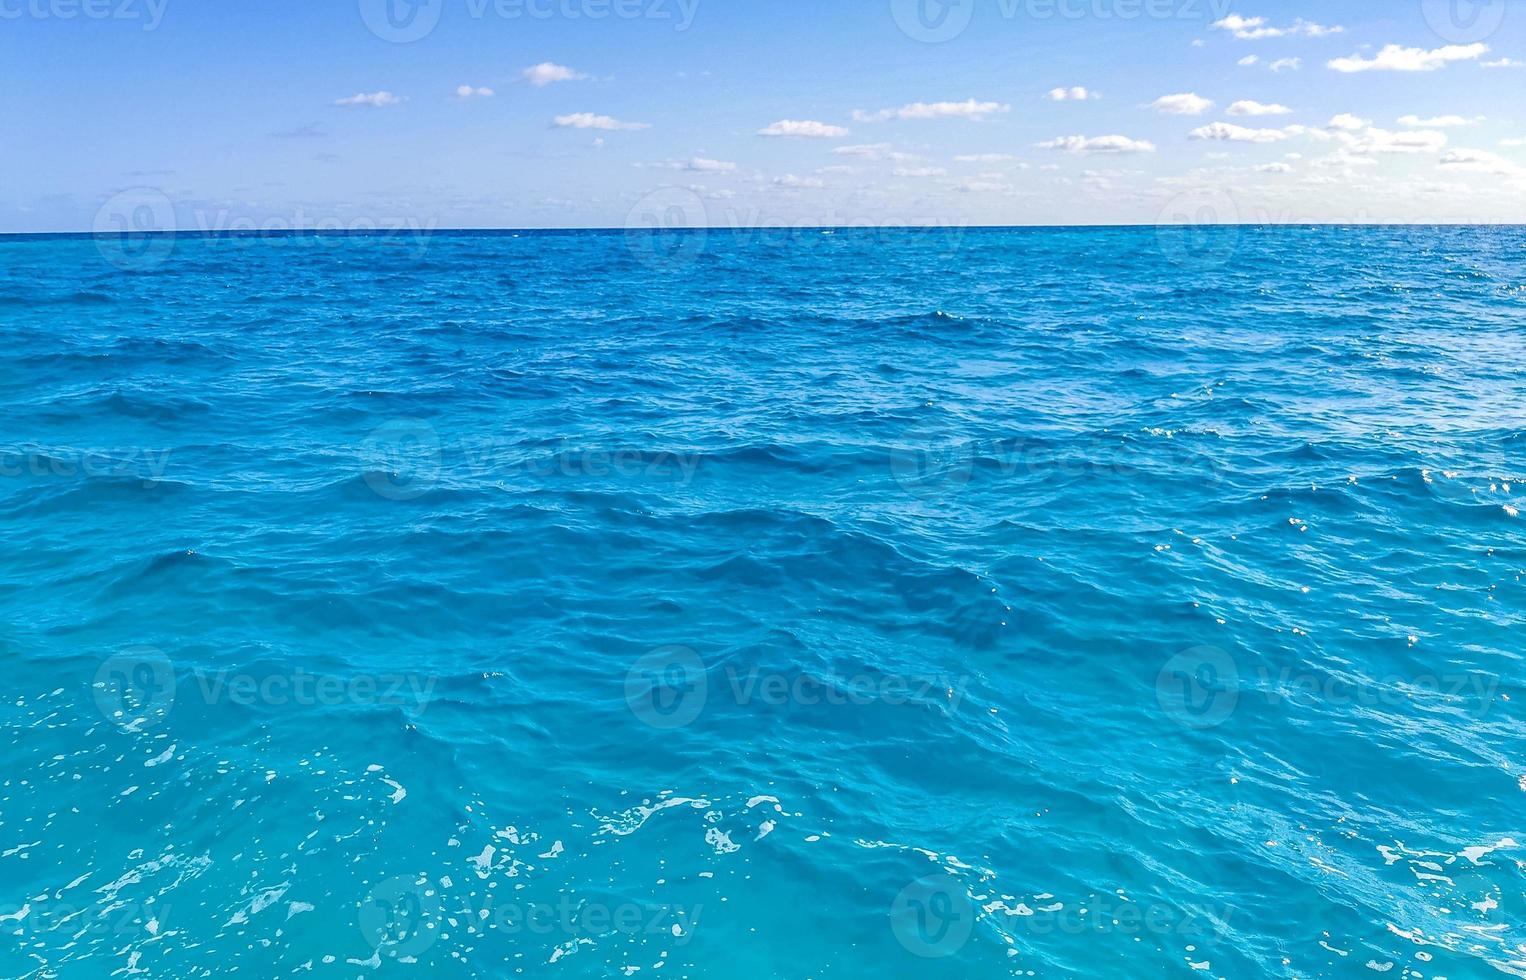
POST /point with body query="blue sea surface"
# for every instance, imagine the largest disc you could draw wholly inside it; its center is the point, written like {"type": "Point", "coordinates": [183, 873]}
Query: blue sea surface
{"type": "Point", "coordinates": [930, 603]}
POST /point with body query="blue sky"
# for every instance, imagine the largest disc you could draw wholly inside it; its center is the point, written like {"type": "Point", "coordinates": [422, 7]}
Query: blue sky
{"type": "Point", "coordinates": [215, 116]}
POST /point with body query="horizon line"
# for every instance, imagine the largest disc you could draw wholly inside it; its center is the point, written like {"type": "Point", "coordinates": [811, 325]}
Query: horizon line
{"type": "Point", "coordinates": [615, 229]}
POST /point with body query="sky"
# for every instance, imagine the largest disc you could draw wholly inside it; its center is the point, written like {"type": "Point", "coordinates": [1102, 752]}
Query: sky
{"type": "Point", "coordinates": [191, 115]}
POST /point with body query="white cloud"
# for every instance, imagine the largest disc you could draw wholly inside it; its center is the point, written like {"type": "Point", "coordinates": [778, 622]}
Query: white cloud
{"type": "Point", "coordinates": [803, 129]}
{"type": "Point", "coordinates": [918, 172]}
{"type": "Point", "coordinates": [1098, 144]}
{"type": "Point", "coordinates": [1505, 63]}
{"type": "Point", "coordinates": [1230, 133]}
{"type": "Point", "coordinates": [1359, 138]}
{"type": "Point", "coordinates": [587, 120]}
{"type": "Point", "coordinates": [984, 158]}
{"type": "Point", "coordinates": [968, 109]}
{"type": "Point", "coordinates": [874, 151]}
{"type": "Point", "coordinates": [1274, 168]}
{"type": "Point", "coordinates": [1182, 104]}
{"type": "Point", "coordinates": [1414, 141]}
{"type": "Point", "coordinates": [1348, 122]}
{"type": "Point", "coordinates": [1250, 107]}
{"type": "Point", "coordinates": [548, 73]}
{"type": "Point", "coordinates": [1481, 162]}
{"type": "Point", "coordinates": [1257, 28]}
{"type": "Point", "coordinates": [1076, 93]}
{"type": "Point", "coordinates": [1514, 141]}
{"type": "Point", "coordinates": [370, 100]}
{"type": "Point", "coordinates": [790, 180]}
{"type": "Point", "coordinates": [467, 92]}
{"type": "Point", "coordinates": [704, 165]}
{"type": "Point", "coordinates": [1248, 60]}
{"type": "Point", "coordinates": [981, 186]}
{"type": "Point", "coordinates": [1438, 122]}
{"type": "Point", "coordinates": [1286, 64]}
{"type": "Point", "coordinates": [1394, 57]}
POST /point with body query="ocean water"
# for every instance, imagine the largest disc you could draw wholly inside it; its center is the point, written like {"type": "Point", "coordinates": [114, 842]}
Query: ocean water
{"type": "Point", "coordinates": [779, 604]}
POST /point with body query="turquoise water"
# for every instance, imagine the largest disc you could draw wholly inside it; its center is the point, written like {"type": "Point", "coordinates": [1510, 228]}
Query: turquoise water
{"type": "Point", "coordinates": [941, 603]}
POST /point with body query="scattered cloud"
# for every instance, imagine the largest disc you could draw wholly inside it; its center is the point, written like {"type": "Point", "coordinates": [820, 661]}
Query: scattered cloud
{"type": "Point", "coordinates": [549, 73]}
{"type": "Point", "coordinates": [1505, 63]}
{"type": "Point", "coordinates": [983, 186]}
{"type": "Point", "coordinates": [1076, 93]}
{"type": "Point", "coordinates": [1250, 107]}
{"type": "Point", "coordinates": [1359, 137]}
{"type": "Point", "coordinates": [1439, 122]}
{"type": "Point", "coordinates": [790, 180]}
{"type": "Point", "coordinates": [803, 129]}
{"type": "Point", "coordinates": [1514, 141]}
{"type": "Point", "coordinates": [1395, 57]}
{"type": "Point", "coordinates": [370, 100]}
{"type": "Point", "coordinates": [1257, 28]}
{"type": "Point", "coordinates": [1182, 104]}
{"type": "Point", "coordinates": [1248, 60]}
{"type": "Point", "coordinates": [588, 120]}
{"type": "Point", "coordinates": [1481, 162]}
{"type": "Point", "coordinates": [467, 92]}
{"type": "Point", "coordinates": [919, 172]}
{"type": "Point", "coordinates": [984, 158]}
{"type": "Point", "coordinates": [1098, 144]}
{"type": "Point", "coordinates": [1348, 122]}
{"type": "Point", "coordinates": [704, 165]}
{"type": "Point", "coordinates": [1414, 141]}
{"type": "Point", "coordinates": [1286, 64]}
{"type": "Point", "coordinates": [1274, 168]}
{"type": "Point", "coordinates": [874, 151]}
{"type": "Point", "coordinates": [1230, 133]}
{"type": "Point", "coordinates": [968, 109]}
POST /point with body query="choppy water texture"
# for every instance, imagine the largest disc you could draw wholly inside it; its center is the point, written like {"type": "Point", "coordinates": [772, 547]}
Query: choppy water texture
{"type": "Point", "coordinates": [1102, 603]}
